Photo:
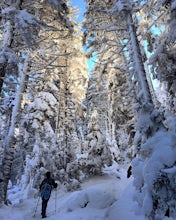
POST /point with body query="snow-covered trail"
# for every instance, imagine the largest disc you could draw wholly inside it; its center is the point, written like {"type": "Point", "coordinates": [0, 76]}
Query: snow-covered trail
{"type": "Point", "coordinates": [100, 198]}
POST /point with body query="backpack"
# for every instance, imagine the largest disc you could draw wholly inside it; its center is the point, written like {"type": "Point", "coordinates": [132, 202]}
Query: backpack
{"type": "Point", "coordinates": [46, 190]}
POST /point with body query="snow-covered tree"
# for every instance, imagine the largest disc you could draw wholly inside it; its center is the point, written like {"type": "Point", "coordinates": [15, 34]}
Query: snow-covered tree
{"type": "Point", "coordinates": [22, 25]}
{"type": "Point", "coordinates": [149, 121]}
{"type": "Point", "coordinates": [97, 148]}
{"type": "Point", "coordinates": [154, 172]}
{"type": "Point", "coordinates": [163, 59]}
{"type": "Point", "coordinates": [108, 83]}
{"type": "Point", "coordinates": [51, 102]}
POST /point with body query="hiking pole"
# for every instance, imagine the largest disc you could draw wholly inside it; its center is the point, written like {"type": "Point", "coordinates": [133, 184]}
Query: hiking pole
{"type": "Point", "coordinates": [55, 200]}
{"type": "Point", "coordinates": [36, 206]}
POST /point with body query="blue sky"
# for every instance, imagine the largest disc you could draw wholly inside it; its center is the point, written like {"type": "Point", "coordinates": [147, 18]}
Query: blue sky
{"type": "Point", "coordinates": [81, 5]}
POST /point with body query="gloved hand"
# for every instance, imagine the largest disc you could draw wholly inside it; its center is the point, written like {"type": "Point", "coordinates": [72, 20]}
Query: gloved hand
{"type": "Point", "coordinates": [55, 185]}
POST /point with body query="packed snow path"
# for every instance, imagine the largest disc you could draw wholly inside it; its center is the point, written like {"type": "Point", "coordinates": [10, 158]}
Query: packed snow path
{"type": "Point", "coordinates": [107, 197]}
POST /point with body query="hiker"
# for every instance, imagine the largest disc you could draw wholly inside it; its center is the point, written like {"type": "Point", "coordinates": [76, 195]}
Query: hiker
{"type": "Point", "coordinates": [45, 189]}
{"type": "Point", "coordinates": [129, 171]}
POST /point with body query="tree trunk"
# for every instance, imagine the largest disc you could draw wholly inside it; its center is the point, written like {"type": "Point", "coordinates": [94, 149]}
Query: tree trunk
{"type": "Point", "coordinates": [138, 62]}
{"type": "Point", "coordinates": [147, 123]}
{"type": "Point", "coordinates": [9, 147]}
{"type": "Point", "coordinates": [7, 39]}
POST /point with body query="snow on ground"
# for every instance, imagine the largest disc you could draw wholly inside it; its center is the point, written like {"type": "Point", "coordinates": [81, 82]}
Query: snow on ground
{"type": "Point", "coordinates": [108, 197]}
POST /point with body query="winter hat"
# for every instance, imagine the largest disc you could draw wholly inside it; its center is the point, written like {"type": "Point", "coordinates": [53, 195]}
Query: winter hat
{"type": "Point", "coordinates": [48, 174]}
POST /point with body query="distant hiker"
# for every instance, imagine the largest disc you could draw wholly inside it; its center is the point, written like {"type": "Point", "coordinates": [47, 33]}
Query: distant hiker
{"type": "Point", "coordinates": [45, 189]}
{"type": "Point", "coordinates": [167, 212]}
{"type": "Point", "coordinates": [129, 171]}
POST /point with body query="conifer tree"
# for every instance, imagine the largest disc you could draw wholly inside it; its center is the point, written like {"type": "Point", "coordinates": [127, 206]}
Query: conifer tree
{"type": "Point", "coordinates": [51, 101]}
{"type": "Point", "coordinates": [113, 86]}
{"type": "Point", "coordinates": [19, 25]}
{"type": "Point", "coordinates": [23, 27]}
{"type": "Point", "coordinates": [99, 154]}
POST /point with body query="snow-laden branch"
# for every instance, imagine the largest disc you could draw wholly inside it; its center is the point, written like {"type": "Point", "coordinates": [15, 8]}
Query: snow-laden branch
{"type": "Point", "coordinates": [8, 33]}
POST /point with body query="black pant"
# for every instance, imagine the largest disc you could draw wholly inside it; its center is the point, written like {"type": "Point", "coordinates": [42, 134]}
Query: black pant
{"type": "Point", "coordinates": [44, 205]}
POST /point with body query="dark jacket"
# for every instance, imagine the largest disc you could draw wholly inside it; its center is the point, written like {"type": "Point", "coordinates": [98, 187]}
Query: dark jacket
{"type": "Point", "coordinates": [49, 180]}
